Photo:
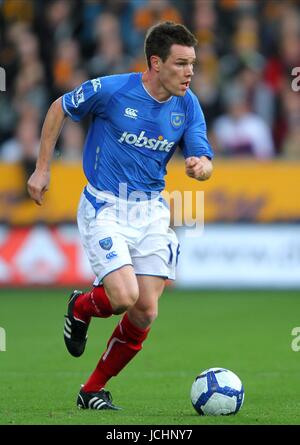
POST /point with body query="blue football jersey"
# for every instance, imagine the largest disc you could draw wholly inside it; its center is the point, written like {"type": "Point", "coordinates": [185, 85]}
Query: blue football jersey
{"type": "Point", "coordinates": [132, 135]}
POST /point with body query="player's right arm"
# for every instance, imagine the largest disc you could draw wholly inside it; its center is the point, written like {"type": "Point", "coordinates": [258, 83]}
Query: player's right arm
{"type": "Point", "coordinates": [89, 97]}
{"type": "Point", "coordinates": [38, 182]}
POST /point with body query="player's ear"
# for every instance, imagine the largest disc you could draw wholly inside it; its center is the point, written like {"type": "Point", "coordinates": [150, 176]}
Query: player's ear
{"type": "Point", "coordinates": [155, 63]}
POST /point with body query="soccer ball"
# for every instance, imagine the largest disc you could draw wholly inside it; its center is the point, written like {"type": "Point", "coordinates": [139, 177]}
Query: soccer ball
{"type": "Point", "coordinates": [217, 391]}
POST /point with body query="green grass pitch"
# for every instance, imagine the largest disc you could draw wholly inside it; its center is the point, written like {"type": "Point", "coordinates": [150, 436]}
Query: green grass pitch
{"type": "Point", "coordinates": [248, 332]}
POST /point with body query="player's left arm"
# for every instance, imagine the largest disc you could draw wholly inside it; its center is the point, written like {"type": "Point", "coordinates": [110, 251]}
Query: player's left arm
{"type": "Point", "coordinates": [199, 168]}
{"type": "Point", "coordinates": [196, 148]}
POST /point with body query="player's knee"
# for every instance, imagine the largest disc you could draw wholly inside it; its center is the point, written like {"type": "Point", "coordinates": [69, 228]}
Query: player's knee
{"type": "Point", "coordinates": [125, 299]}
{"type": "Point", "coordinates": [148, 316]}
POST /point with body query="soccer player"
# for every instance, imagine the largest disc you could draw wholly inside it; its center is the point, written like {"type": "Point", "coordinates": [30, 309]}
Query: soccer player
{"type": "Point", "coordinates": [138, 120]}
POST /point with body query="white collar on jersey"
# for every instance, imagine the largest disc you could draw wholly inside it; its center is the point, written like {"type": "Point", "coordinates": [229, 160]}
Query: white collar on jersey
{"type": "Point", "coordinates": [159, 101]}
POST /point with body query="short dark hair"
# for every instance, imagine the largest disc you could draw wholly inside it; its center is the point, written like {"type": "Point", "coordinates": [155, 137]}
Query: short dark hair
{"type": "Point", "coordinates": [162, 36]}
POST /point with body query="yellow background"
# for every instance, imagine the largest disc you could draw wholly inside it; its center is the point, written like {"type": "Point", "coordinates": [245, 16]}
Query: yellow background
{"type": "Point", "coordinates": [237, 191]}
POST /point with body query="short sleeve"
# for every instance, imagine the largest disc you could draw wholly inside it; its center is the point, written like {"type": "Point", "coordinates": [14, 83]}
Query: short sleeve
{"type": "Point", "coordinates": [87, 98]}
{"type": "Point", "coordinates": [194, 141]}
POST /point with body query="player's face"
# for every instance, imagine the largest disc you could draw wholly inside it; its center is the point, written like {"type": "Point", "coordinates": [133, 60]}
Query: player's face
{"type": "Point", "coordinates": [176, 72]}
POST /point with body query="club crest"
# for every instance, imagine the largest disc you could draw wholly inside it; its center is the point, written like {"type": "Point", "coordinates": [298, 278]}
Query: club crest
{"type": "Point", "coordinates": [106, 243]}
{"type": "Point", "coordinates": [177, 119]}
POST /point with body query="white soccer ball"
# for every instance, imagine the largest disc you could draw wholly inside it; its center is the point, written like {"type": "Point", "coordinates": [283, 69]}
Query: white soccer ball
{"type": "Point", "coordinates": [217, 391]}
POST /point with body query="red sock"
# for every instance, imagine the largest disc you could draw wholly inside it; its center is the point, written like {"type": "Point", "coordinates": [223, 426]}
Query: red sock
{"type": "Point", "coordinates": [126, 341]}
{"type": "Point", "coordinates": [92, 304]}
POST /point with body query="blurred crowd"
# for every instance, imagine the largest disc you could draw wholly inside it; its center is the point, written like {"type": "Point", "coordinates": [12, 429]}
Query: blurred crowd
{"type": "Point", "coordinates": [243, 76]}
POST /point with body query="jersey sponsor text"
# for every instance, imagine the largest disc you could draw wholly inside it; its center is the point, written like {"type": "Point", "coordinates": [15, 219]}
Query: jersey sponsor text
{"type": "Point", "coordinates": [141, 140]}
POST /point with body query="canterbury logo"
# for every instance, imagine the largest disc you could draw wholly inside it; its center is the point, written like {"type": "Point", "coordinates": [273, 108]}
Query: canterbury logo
{"type": "Point", "coordinates": [141, 140]}
{"type": "Point", "coordinates": [131, 112]}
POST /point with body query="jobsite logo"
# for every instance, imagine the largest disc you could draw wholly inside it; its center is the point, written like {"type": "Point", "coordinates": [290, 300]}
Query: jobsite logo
{"type": "Point", "coordinates": [142, 140]}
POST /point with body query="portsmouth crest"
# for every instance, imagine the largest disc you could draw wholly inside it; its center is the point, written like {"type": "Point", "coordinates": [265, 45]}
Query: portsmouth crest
{"type": "Point", "coordinates": [177, 119]}
{"type": "Point", "coordinates": [106, 243]}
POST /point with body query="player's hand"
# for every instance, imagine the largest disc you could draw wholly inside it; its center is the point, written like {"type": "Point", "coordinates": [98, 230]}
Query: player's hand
{"type": "Point", "coordinates": [37, 185]}
{"type": "Point", "coordinates": [198, 168]}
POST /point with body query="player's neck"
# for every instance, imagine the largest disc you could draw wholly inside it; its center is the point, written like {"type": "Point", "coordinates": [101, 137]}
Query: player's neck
{"type": "Point", "coordinates": [154, 88]}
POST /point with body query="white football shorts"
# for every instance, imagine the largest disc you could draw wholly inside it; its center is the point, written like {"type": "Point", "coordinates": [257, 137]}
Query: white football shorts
{"type": "Point", "coordinates": [117, 232]}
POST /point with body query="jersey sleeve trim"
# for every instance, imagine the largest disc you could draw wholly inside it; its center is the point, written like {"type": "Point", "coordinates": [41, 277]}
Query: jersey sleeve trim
{"type": "Point", "coordinates": [65, 107]}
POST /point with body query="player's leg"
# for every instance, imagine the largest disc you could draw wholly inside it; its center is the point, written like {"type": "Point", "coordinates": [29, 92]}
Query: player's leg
{"type": "Point", "coordinates": [122, 288]}
{"type": "Point", "coordinates": [127, 338]}
{"type": "Point", "coordinates": [154, 258]}
{"type": "Point", "coordinates": [143, 313]}
{"type": "Point", "coordinates": [118, 293]}
{"type": "Point", "coordinates": [155, 254]}
{"type": "Point", "coordinates": [107, 250]}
